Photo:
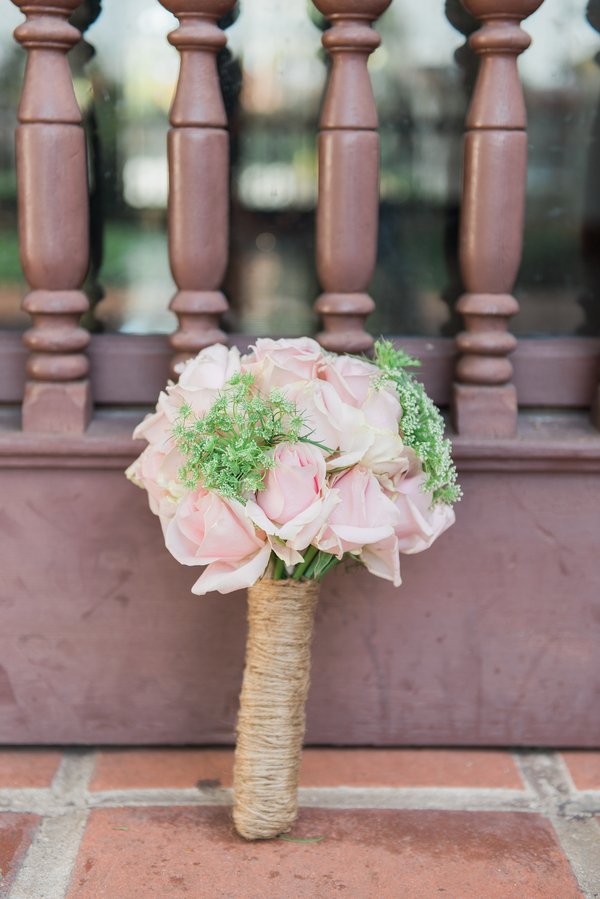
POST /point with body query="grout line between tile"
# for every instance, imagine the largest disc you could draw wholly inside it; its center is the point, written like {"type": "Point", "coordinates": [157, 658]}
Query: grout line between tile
{"type": "Point", "coordinates": [579, 839]}
{"type": "Point", "coordinates": [47, 868]}
{"type": "Point", "coordinates": [447, 798]}
{"type": "Point", "coordinates": [48, 864]}
{"type": "Point", "coordinates": [73, 776]}
{"type": "Point", "coordinates": [578, 834]}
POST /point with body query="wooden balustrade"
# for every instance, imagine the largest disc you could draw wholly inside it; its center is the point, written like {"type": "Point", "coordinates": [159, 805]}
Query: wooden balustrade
{"type": "Point", "coordinates": [348, 202]}
{"type": "Point", "coordinates": [198, 148]}
{"type": "Point", "coordinates": [491, 231]}
{"type": "Point", "coordinates": [53, 221]}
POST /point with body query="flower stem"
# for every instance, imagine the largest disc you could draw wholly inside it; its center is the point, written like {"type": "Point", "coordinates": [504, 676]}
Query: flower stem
{"type": "Point", "coordinates": [300, 570]}
{"type": "Point", "coordinates": [279, 571]}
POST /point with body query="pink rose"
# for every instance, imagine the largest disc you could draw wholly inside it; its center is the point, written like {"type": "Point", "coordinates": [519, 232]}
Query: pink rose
{"type": "Point", "coordinates": [275, 363]}
{"type": "Point", "coordinates": [157, 470]}
{"type": "Point", "coordinates": [356, 382]}
{"type": "Point", "coordinates": [383, 559]}
{"type": "Point", "coordinates": [364, 514]}
{"type": "Point", "coordinates": [420, 522]}
{"type": "Point", "coordinates": [156, 427]}
{"type": "Point", "coordinates": [382, 408]}
{"type": "Point", "coordinates": [201, 380]}
{"type": "Point", "coordinates": [296, 501]}
{"type": "Point", "coordinates": [381, 451]}
{"type": "Point", "coordinates": [209, 530]}
{"type": "Point", "coordinates": [352, 378]}
{"type": "Point", "coordinates": [327, 417]}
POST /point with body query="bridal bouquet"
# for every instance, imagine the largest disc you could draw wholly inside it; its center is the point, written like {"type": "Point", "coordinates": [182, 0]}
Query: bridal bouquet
{"type": "Point", "coordinates": [288, 459]}
{"type": "Point", "coordinates": [268, 470]}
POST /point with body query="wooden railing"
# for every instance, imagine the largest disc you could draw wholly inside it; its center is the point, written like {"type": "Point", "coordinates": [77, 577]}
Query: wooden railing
{"type": "Point", "coordinates": [53, 205]}
{"type": "Point", "coordinates": [53, 222]}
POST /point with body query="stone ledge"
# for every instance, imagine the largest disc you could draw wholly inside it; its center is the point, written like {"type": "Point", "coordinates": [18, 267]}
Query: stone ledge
{"type": "Point", "coordinates": [562, 441]}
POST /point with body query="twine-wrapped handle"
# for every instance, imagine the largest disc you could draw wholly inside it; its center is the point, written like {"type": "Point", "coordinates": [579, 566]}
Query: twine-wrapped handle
{"type": "Point", "coordinates": [271, 718]}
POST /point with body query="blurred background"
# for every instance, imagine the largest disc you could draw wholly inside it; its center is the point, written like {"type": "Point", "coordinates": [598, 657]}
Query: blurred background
{"type": "Point", "coordinates": [273, 76]}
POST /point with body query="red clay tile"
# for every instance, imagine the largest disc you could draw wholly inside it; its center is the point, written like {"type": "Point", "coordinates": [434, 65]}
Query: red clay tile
{"type": "Point", "coordinates": [28, 767]}
{"type": "Point", "coordinates": [409, 768]}
{"type": "Point", "coordinates": [16, 833]}
{"type": "Point", "coordinates": [122, 769]}
{"type": "Point", "coordinates": [171, 851]}
{"type": "Point", "coordinates": [584, 767]}
{"type": "Point", "coordinates": [179, 768]}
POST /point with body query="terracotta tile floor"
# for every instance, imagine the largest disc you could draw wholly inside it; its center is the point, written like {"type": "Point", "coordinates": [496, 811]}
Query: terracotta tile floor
{"type": "Point", "coordinates": [381, 823]}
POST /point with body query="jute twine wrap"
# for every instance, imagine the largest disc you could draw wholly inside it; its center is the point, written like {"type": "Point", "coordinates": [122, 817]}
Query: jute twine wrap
{"type": "Point", "coordinates": [271, 717]}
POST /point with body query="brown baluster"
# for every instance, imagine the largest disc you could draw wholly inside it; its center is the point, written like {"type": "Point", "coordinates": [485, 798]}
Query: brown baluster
{"type": "Point", "coordinates": [83, 52]}
{"type": "Point", "coordinates": [590, 230]}
{"type": "Point", "coordinates": [53, 221]}
{"type": "Point", "coordinates": [348, 204]}
{"type": "Point", "coordinates": [198, 147]}
{"type": "Point", "coordinates": [491, 232]}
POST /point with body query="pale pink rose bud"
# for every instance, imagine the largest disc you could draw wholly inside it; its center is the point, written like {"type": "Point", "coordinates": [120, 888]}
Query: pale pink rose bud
{"type": "Point", "coordinates": [296, 501]}
{"type": "Point", "coordinates": [294, 482]}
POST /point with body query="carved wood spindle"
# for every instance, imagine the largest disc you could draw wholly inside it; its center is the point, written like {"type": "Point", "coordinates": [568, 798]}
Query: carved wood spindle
{"type": "Point", "coordinates": [348, 203]}
{"type": "Point", "coordinates": [492, 213]}
{"type": "Point", "coordinates": [198, 150]}
{"type": "Point", "coordinates": [590, 229]}
{"type": "Point", "coordinates": [53, 221]}
{"type": "Point", "coordinates": [79, 58]}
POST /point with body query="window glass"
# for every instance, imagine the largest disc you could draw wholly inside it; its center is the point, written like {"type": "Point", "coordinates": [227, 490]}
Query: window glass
{"type": "Point", "coordinates": [273, 79]}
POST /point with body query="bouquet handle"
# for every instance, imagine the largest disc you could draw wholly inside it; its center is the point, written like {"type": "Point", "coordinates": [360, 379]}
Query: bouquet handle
{"type": "Point", "coordinates": [271, 718]}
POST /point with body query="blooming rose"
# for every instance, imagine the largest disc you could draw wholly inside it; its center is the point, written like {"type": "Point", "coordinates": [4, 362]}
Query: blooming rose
{"type": "Point", "coordinates": [157, 469]}
{"type": "Point", "coordinates": [203, 377]}
{"type": "Point", "coordinates": [421, 522]}
{"type": "Point", "coordinates": [363, 523]}
{"type": "Point", "coordinates": [200, 381]}
{"type": "Point", "coordinates": [356, 382]}
{"type": "Point", "coordinates": [326, 416]}
{"type": "Point", "coordinates": [156, 427]}
{"type": "Point", "coordinates": [296, 501]}
{"type": "Point", "coordinates": [275, 363]}
{"type": "Point", "coordinates": [364, 514]}
{"type": "Point", "coordinates": [352, 378]}
{"type": "Point", "coordinates": [212, 531]}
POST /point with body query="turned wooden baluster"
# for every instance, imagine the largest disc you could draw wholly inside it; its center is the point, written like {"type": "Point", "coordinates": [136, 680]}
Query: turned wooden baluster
{"type": "Point", "coordinates": [53, 221]}
{"type": "Point", "coordinates": [491, 231]}
{"type": "Point", "coordinates": [590, 231]}
{"type": "Point", "coordinates": [198, 149]}
{"type": "Point", "coordinates": [348, 203]}
{"type": "Point", "coordinates": [83, 17]}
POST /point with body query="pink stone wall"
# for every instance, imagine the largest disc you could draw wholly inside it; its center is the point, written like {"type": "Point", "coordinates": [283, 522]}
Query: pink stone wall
{"type": "Point", "coordinates": [493, 638]}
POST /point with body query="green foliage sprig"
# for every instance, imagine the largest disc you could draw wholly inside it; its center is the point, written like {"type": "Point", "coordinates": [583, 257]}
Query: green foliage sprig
{"type": "Point", "coordinates": [229, 448]}
{"type": "Point", "coordinates": [421, 425]}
